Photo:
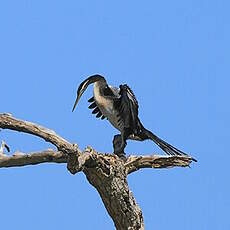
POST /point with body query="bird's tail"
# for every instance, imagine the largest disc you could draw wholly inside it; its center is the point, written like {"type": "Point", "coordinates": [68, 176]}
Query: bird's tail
{"type": "Point", "coordinates": [166, 147]}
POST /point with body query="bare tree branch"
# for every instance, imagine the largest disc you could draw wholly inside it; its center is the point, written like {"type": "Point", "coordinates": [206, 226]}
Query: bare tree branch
{"type": "Point", "coordinates": [106, 172]}
{"type": "Point", "coordinates": [9, 122]}
{"type": "Point", "coordinates": [21, 159]}
{"type": "Point", "coordinates": [132, 164]}
{"type": "Point", "coordinates": [135, 163]}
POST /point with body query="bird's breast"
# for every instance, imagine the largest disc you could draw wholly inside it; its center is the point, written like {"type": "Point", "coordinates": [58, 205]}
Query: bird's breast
{"type": "Point", "coordinates": [106, 106]}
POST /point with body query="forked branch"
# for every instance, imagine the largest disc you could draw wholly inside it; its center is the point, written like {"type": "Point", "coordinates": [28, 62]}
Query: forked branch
{"type": "Point", "coordinates": [106, 172]}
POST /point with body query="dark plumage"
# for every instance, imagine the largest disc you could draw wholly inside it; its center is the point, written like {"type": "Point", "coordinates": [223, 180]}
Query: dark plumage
{"type": "Point", "coordinates": [93, 105]}
{"type": "Point", "coordinates": [96, 110]}
{"type": "Point", "coordinates": [120, 107]}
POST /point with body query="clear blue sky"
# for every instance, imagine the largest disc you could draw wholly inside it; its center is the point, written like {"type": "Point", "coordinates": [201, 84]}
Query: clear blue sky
{"type": "Point", "coordinates": [173, 54]}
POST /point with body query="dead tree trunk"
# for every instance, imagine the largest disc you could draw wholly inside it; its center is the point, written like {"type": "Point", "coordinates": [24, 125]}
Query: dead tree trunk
{"type": "Point", "coordinates": [107, 173]}
{"type": "Point", "coordinates": [109, 177]}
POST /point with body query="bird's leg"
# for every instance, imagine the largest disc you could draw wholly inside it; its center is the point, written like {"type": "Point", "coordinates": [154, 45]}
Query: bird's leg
{"type": "Point", "coordinates": [118, 146]}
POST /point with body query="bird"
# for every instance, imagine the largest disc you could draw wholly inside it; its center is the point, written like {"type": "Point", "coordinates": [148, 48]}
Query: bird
{"type": "Point", "coordinates": [4, 145]}
{"type": "Point", "coordinates": [120, 107]}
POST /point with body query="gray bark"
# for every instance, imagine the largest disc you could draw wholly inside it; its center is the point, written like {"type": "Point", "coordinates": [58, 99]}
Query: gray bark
{"type": "Point", "coordinates": [106, 172]}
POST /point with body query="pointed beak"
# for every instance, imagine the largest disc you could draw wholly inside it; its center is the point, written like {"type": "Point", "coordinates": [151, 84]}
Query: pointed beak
{"type": "Point", "coordinates": [75, 104]}
{"type": "Point", "coordinates": [83, 86]}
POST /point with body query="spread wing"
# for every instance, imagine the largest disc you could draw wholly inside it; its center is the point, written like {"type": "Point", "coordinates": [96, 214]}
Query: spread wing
{"type": "Point", "coordinates": [128, 108]}
{"type": "Point", "coordinates": [95, 108]}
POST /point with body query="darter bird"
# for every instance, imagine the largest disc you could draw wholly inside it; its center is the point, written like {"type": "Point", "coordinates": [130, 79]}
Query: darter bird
{"type": "Point", "coordinates": [120, 107]}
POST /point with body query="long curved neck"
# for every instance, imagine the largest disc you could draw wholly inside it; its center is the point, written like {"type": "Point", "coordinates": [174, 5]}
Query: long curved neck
{"type": "Point", "coordinates": [98, 92]}
{"type": "Point", "coordinates": [98, 88]}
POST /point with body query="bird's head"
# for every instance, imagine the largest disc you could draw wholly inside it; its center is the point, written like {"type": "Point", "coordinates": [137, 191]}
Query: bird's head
{"type": "Point", "coordinates": [83, 86]}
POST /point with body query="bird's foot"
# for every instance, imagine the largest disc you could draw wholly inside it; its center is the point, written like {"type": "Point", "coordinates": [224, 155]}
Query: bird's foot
{"type": "Point", "coordinates": [120, 152]}
{"type": "Point", "coordinates": [122, 156]}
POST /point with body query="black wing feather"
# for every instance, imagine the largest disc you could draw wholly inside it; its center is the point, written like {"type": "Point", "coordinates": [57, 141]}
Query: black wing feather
{"type": "Point", "coordinates": [103, 117]}
{"type": "Point", "coordinates": [99, 114]}
{"type": "Point", "coordinates": [128, 108]}
{"type": "Point", "coordinates": [91, 99]}
{"type": "Point", "coordinates": [93, 105]}
{"type": "Point", "coordinates": [95, 108]}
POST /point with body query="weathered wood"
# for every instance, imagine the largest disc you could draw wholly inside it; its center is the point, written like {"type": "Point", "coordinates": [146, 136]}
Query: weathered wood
{"type": "Point", "coordinates": [108, 176]}
{"type": "Point", "coordinates": [106, 172]}
{"type": "Point", "coordinates": [7, 121]}
{"type": "Point", "coordinates": [135, 163]}
{"type": "Point", "coordinates": [22, 159]}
